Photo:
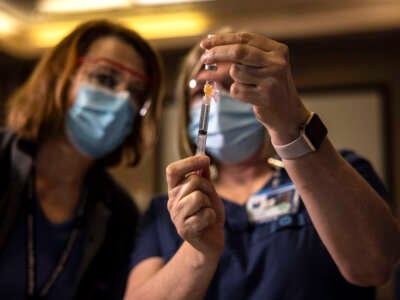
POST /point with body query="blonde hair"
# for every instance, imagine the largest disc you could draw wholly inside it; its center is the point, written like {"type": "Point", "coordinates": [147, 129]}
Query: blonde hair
{"type": "Point", "coordinates": [189, 69]}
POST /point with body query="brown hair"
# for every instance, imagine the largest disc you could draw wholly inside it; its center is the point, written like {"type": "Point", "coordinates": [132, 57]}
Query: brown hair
{"type": "Point", "coordinates": [37, 110]}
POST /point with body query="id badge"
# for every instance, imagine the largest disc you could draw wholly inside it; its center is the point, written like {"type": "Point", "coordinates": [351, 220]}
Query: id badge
{"type": "Point", "coordinates": [271, 203]}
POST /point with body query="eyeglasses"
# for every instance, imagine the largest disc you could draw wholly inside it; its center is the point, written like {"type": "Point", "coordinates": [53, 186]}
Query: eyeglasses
{"type": "Point", "coordinates": [117, 77]}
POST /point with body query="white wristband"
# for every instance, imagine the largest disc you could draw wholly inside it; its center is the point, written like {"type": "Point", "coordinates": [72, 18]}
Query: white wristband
{"type": "Point", "coordinates": [312, 133]}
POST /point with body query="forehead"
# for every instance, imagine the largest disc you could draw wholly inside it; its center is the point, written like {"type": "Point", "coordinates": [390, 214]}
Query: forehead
{"type": "Point", "coordinates": [117, 50]}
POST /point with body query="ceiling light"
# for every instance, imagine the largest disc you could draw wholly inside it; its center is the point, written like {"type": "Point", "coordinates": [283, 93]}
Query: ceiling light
{"type": "Point", "coordinates": [8, 24]}
{"type": "Point", "coordinates": [171, 25]}
{"type": "Point", "coordinates": [69, 6]}
{"type": "Point", "coordinates": [158, 26]}
{"type": "Point", "coordinates": [154, 2]}
{"type": "Point", "coordinates": [63, 6]}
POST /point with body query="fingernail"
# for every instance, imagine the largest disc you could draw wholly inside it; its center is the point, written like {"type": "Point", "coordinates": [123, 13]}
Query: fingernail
{"type": "Point", "coordinates": [205, 41]}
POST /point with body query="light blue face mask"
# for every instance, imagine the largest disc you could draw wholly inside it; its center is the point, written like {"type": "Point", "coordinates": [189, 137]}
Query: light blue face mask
{"type": "Point", "coordinates": [234, 133]}
{"type": "Point", "coordinates": [99, 120]}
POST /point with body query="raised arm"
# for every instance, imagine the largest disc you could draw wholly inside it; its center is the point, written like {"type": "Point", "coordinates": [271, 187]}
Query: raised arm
{"type": "Point", "coordinates": [198, 216]}
{"type": "Point", "coordinates": [351, 219]}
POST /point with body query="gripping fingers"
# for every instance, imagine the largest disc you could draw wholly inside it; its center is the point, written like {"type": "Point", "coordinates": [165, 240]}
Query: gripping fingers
{"type": "Point", "coordinates": [244, 38]}
{"type": "Point", "coordinates": [274, 66]}
{"type": "Point", "coordinates": [177, 171]}
{"type": "Point", "coordinates": [191, 184]}
{"type": "Point", "coordinates": [193, 226]}
{"type": "Point", "coordinates": [242, 48]}
{"type": "Point", "coordinates": [188, 206]}
{"type": "Point", "coordinates": [196, 183]}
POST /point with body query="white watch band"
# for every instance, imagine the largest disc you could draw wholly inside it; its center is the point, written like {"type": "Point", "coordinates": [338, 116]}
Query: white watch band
{"type": "Point", "coordinates": [294, 149]}
{"type": "Point", "coordinates": [302, 145]}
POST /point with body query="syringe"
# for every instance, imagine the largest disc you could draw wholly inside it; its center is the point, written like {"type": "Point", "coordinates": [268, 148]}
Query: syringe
{"type": "Point", "coordinates": [203, 123]}
{"type": "Point", "coordinates": [205, 110]}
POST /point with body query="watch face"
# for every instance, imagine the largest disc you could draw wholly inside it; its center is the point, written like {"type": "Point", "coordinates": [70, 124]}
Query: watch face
{"type": "Point", "coordinates": [315, 131]}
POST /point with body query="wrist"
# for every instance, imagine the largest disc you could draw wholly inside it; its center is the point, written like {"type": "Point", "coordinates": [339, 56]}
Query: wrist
{"type": "Point", "coordinates": [283, 137]}
{"type": "Point", "coordinates": [199, 259]}
{"type": "Point", "coordinates": [311, 135]}
{"type": "Point", "coordinates": [288, 132]}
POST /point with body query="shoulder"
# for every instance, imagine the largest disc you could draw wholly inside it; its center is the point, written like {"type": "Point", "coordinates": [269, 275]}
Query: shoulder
{"type": "Point", "coordinates": [11, 142]}
{"type": "Point", "coordinates": [159, 203]}
{"type": "Point", "coordinates": [6, 133]}
{"type": "Point", "coordinates": [157, 214]}
{"type": "Point", "coordinates": [115, 198]}
{"type": "Point", "coordinates": [6, 137]}
{"type": "Point", "coordinates": [120, 196]}
{"type": "Point", "coordinates": [366, 170]}
{"type": "Point", "coordinates": [360, 163]}
{"type": "Point", "coordinates": [351, 156]}
{"type": "Point", "coordinates": [158, 207]}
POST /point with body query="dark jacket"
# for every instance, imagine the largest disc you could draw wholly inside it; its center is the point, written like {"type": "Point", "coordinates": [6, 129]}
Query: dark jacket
{"type": "Point", "coordinates": [110, 220]}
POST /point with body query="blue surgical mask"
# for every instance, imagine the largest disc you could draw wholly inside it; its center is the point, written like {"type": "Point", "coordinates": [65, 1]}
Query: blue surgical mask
{"type": "Point", "coordinates": [234, 133]}
{"type": "Point", "coordinates": [99, 120]}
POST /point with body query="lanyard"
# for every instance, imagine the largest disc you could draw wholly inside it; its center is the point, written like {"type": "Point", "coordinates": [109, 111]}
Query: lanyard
{"type": "Point", "coordinates": [278, 166]}
{"type": "Point", "coordinates": [31, 247]}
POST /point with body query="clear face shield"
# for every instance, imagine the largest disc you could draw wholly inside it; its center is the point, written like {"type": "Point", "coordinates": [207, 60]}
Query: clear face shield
{"type": "Point", "coordinates": [116, 77]}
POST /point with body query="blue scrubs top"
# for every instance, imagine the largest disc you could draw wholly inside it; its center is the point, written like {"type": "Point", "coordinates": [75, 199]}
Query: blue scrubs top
{"type": "Point", "coordinates": [50, 242]}
{"type": "Point", "coordinates": [279, 259]}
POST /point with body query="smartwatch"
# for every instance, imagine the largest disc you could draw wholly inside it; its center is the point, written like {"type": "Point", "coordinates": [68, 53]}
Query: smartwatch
{"type": "Point", "coordinates": [312, 134]}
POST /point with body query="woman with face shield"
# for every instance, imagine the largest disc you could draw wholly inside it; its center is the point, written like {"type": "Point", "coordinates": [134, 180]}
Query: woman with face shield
{"type": "Point", "coordinates": [285, 216]}
{"type": "Point", "coordinates": [93, 101]}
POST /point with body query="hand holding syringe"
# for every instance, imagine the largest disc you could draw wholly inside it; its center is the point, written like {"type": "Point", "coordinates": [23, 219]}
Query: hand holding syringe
{"type": "Point", "coordinates": [209, 92]}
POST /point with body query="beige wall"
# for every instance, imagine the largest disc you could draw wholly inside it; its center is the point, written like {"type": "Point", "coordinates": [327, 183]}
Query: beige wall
{"type": "Point", "coordinates": [354, 120]}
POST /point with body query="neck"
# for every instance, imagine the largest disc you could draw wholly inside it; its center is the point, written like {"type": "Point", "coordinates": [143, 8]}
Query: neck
{"type": "Point", "coordinates": [60, 171]}
{"type": "Point", "coordinates": [237, 182]}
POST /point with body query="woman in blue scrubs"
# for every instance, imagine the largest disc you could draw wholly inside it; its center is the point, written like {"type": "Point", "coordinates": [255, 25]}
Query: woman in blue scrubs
{"type": "Point", "coordinates": [312, 225]}
{"type": "Point", "coordinates": [67, 228]}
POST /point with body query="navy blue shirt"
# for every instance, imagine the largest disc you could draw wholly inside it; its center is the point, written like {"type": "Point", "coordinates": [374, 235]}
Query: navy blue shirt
{"type": "Point", "coordinates": [50, 243]}
{"type": "Point", "coordinates": [279, 259]}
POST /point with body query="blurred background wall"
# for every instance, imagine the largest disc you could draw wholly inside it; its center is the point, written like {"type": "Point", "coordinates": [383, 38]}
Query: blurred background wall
{"type": "Point", "coordinates": [345, 57]}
